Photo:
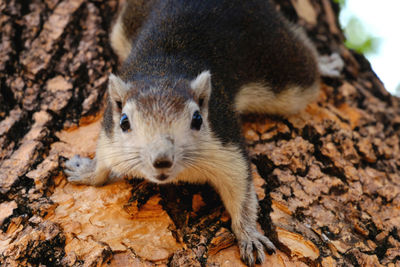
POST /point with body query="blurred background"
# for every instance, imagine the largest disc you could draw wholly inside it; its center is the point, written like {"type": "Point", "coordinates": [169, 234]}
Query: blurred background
{"type": "Point", "coordinates": [372, 28]}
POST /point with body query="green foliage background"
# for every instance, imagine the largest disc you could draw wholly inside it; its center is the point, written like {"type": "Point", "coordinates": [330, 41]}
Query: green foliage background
{"type": "Point", "coordinates": [357, 36]}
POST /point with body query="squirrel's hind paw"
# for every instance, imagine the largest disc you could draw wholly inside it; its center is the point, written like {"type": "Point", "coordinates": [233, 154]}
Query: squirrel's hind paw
{"type": "Point", "coordinates": [330, 65]}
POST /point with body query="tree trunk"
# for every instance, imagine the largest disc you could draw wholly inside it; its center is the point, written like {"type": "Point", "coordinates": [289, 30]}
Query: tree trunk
{"type": "Point", "coordinates": [328, 179]}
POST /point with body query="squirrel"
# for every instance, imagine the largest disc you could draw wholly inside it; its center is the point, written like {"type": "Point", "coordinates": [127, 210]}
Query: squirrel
{"type": "Point", "coordinates": [189, 70]}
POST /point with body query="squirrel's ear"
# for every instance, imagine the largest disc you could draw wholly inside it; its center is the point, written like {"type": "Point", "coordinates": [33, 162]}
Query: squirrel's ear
{"type": "Point", "coordinates": [201, 87]}
{"type": "Point", "coordinates": [117, 89]}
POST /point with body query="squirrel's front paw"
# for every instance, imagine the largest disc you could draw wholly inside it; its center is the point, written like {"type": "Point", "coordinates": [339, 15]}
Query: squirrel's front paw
{"type": "Point", "coordinates": [254, 240]}
{"type": "Point", "coordinates": [79, 170]}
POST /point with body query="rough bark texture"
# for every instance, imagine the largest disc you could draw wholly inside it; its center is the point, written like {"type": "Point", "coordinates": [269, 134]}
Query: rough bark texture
{"type": "Point", "coordinates": [328, 179]}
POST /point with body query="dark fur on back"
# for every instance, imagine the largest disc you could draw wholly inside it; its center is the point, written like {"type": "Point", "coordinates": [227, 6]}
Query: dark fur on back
{"type": "Point", "coordinates": [238, 41]}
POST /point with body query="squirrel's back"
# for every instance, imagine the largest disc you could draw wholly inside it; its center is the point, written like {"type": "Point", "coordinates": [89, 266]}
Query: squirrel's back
{"type": "Point", "coordinates": [240, 42]}
{"type": "Point", "coordinates": [259, 62]}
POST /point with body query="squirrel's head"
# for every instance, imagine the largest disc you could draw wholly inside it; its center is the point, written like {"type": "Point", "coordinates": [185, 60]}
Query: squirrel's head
{"type": "Point", "coordinates": [157, 126]}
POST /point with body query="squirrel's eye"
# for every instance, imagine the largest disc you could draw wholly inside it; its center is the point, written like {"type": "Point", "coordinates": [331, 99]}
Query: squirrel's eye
{"type": "Point", "coordinates": [197, 120]}
{"type": "Point", "coordinates": [124, 123]}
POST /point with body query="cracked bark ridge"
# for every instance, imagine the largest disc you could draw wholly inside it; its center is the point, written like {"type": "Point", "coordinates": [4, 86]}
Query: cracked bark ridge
{"type": "Point", "coordinates": [328, 179]}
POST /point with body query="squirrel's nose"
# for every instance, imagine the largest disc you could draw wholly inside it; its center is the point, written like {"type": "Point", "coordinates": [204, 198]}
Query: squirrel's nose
{"type": "Point", "coordinates": [162, 163]}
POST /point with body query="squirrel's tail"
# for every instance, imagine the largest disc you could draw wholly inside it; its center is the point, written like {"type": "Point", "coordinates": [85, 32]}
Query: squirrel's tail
{"type": "Point", "coordinates": [125, 29]}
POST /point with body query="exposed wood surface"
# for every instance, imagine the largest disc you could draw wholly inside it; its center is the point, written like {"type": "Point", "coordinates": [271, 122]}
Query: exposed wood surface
{"type": "Point", "coordinates": [328, 179]}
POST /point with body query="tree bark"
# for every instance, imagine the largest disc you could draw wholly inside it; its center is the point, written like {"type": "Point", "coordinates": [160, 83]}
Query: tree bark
{"type": "Point", "coordinates": [328, 179]}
